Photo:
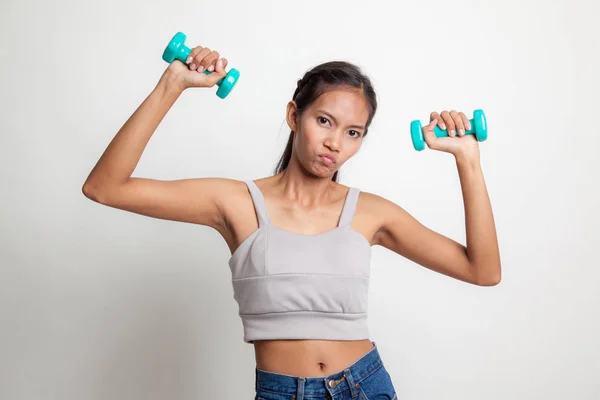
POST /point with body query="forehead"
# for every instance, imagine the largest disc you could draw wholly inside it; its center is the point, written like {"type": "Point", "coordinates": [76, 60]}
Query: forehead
{"type": "Point", "coordinates": [345, 104]}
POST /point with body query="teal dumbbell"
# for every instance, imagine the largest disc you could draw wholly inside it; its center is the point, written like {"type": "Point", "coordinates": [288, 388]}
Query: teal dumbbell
{"type": "Point", "coordinates": [177, 50]}
{"type": "Point", "coordinates": [478, 128]}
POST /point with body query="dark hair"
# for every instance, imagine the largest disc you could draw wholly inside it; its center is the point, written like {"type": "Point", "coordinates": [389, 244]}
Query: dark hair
{"type": "Point", "coordinates": [321, 79]}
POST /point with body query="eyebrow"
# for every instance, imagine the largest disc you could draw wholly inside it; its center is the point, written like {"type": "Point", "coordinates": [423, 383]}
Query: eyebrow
{"type": "Point", "coordinates": [335, 120]}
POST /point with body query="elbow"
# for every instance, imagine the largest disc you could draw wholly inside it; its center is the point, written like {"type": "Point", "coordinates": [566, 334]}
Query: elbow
{"type": "Point", "coordinates": [93, 192]}
{"type": "Point", "coordinates": [489, 282]}
{"type": "Point", "coordinates": [491, 279]}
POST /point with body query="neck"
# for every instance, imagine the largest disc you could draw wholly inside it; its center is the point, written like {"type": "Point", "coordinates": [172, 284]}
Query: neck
{"type": "Point", "coordinates": [307, 190]}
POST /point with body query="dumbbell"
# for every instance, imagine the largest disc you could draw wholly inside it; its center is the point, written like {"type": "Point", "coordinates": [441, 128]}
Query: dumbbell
{"type": "Point", "coordinates": [478, 128]}
{"type": "Point", "coordinates": [176, 49]}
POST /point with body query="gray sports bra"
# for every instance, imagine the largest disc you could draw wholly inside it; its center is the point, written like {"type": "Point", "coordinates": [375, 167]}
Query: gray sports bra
{"type": "Point", "coordinates": [294, 286]}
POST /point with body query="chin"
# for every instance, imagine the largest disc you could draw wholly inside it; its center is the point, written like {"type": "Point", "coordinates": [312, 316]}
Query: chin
{"type": "Point", "coordinates": [321, 171]}
{"type": "Point", "coordinates": [328, 173]}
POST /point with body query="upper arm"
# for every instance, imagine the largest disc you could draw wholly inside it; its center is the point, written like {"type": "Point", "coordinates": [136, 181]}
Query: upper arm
{"type": "Point", "coordinates": [402, 233]}
{"type": "Point", "coordinates": [198, 200]}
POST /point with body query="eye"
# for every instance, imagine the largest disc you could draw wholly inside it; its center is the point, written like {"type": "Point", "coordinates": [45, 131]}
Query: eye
{"type": "Point", "coordinates": [358, 134]}
{"type": "Point", "coordinates": [321, 119]}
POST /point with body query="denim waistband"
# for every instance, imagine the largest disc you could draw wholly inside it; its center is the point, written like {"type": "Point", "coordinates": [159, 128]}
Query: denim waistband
{"type": "Point", "coordinates": [299, 386]}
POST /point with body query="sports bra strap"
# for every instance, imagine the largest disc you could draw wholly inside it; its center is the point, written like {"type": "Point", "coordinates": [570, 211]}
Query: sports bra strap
{"type": "Point", "coordinates": [259, 203]}
{"type": "Point", "coordinates": [349, 207]}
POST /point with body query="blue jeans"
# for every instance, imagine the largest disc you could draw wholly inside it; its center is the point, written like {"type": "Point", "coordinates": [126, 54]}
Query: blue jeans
{"type": "Point", "coordinates": [366, 379]}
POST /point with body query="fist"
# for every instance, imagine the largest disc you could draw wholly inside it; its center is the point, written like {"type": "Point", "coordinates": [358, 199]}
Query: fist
{"type": "Point", "coordinates": [452, 121]}
{"type": "Point", "coordinates": [201, 59]}
{"type": "Point", "coordinates": [457, 143]}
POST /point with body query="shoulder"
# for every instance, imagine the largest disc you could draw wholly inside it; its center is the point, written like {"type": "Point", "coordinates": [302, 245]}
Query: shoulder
{"type": "Point", "coordinates": [379, 212]}
{"type": "Point", "coordinates": [238, 203]}
{"type": "Point", "coordinates": [374, 202]}
{"type": "Point", "coordinates": [223, 189]}
{"type": "Point", "coordinates": [234, 192]}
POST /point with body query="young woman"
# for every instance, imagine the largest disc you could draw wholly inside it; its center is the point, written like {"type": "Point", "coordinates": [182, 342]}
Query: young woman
{"type": "Point", "coordinates": [301, 242]}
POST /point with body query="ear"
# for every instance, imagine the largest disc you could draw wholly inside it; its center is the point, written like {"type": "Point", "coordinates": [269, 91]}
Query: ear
{"type": "Point", "coordinates": [292, 115]}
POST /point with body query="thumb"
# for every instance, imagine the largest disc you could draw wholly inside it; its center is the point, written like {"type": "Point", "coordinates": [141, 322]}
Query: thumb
{"type": "Point", "coordinates": [428, 135]}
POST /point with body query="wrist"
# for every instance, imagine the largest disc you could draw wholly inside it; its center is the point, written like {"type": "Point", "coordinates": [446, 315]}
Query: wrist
{"type": "Point", "coordinates": [171, 82]}
{"type": "Point", "coordinates": [465, 158]}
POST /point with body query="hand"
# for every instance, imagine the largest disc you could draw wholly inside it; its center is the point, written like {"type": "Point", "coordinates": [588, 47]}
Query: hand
{"type": "Point", "coordinates": [457, 143]}
{"type": "Point", "coordinates": [199, 60]}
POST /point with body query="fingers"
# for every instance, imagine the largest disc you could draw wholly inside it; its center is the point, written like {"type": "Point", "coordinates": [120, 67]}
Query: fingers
{"type": "Point", "coordinates": [458, 122]}
{"type": "Point", "coordinates": [449, 122]}
{"type": "Point", "coordinates": [208, 64]}
{"type": "Point", "coordinates": [218, 73]}
{"type": "Point", "coordinates": [193, 54]}
{"type": "Point", "coordinates": [455, 122]}
{"type": "Point", "coordinates": [198, 61]}
{"type": "Point", "coordinates": [465, 120]}
{"type": "Point", "coordinates": [210, 60]}
{"type": "Point", "coordinates": [220, 65]}
{"type": "Point", "coordinates": [436, 116]}
{"type": "Point", "coordinates": [196, 56]}
{"type": "Point", "coordinates": [202, 58]}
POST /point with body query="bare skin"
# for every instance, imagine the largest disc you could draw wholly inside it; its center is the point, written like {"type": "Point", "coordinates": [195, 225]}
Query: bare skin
{"type": "Point", "coordinates": [302, 199]}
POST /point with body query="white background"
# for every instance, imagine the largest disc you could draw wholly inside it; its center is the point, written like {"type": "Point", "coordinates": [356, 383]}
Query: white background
{"type": "Point", "coordinates": [98, 303]}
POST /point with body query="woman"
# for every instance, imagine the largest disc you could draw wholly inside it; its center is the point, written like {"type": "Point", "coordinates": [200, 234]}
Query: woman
{"type": "Point", "coordinates": [300, 241]}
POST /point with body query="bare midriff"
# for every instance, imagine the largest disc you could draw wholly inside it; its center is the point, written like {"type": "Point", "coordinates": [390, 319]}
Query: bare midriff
{"type": "Point", "coordinates": [308, 358]}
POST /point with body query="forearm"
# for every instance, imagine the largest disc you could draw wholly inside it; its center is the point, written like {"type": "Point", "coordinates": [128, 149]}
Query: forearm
{"type": "Point", "coordinates": [482, 242]}
{"type": "Point", "coordinates": [122, 155]}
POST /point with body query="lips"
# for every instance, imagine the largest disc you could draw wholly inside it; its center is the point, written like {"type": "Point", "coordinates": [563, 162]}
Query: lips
{"type": "Point", "coordinates": [329, 157]}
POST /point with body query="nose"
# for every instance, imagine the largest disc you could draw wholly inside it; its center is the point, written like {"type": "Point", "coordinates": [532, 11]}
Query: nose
{"type": "Point", "coordinates": [333, 140]}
